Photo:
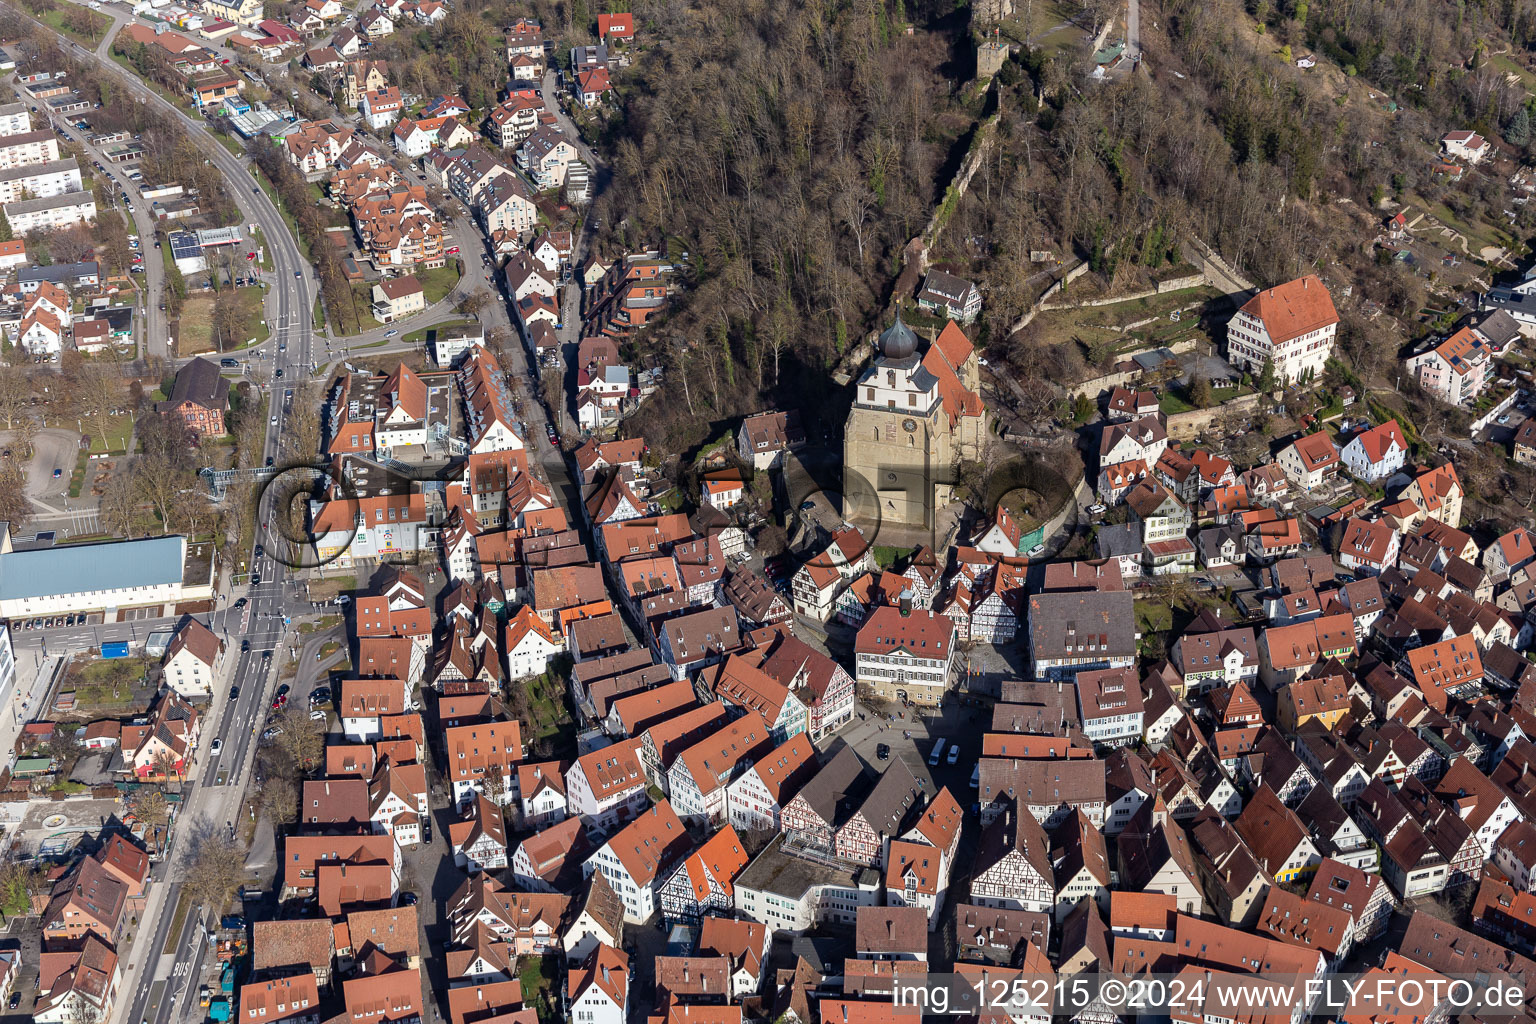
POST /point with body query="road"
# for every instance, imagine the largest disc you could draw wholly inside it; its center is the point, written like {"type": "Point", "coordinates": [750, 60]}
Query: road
{"type": "Point", "coordinates": [152, 322]}
{"type": "Point", "coordinates": [156, 986]}
{"type": "Point", "coordinates": [1133, 28]}
{"type": "Point", "coordinates": [151, 318]}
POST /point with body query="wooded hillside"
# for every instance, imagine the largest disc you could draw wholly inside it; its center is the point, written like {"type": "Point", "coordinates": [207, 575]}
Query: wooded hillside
{"type": "Point", "coordinates": [791, 151]}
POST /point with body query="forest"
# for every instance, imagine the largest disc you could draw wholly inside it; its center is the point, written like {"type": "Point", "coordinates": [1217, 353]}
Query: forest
{"type": "Point", "coordinates": [783, 155]}
{"type": "Point", "coordinates": [791, 151]}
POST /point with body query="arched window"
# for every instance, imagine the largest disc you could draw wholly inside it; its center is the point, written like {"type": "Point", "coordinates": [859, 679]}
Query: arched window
{"type": "Point", "coordinates": [890, 378]}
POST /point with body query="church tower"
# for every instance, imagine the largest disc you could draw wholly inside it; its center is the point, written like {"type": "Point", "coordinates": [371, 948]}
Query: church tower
{"type": "Point", "coordinates": [913, 418]}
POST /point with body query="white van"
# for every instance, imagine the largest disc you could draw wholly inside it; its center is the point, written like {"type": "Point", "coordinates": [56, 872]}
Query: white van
{"type": "Point", "coordinates": [937, 755]}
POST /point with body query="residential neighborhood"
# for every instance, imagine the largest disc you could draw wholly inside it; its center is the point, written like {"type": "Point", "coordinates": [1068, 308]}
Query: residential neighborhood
{"type": "Point", "coordinates": [695, 516]}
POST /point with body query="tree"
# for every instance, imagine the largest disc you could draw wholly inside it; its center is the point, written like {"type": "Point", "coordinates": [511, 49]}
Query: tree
{"type": "Point", "coordinates": [99, 389]}
{"type": "Point", "coordinates": [15, 394]}
{"type": "Point", "coordinates": [120, 505]}
{"type": "Point", "coordinates": [226, 320]}
{"type": "Point", "coordinates": [302, 427]}
{"type": "Point", "coordinates": [474, 302]}
{"type": "Point", "coordinates": [163, 764]}
{"type": "Point", "coordinates": [1517, 130]}
{"type": "Point", "coordinates": [1267, 376]}
{"type": "Point", "coordinates": [6, 234]}
{"type": "Point", "coordinates": [300, 747]}
{"type": "Point", "coordinates": [14, 506]}
{"type": "Point", "coordinates": [280, 800]}
{"type": "Point", "coordinates": [1200, 391]}
{"type": "Point", "coordinates": [149, 805]}
{"type": "Point", "coordinates": [216, 870]}
{"type": "Point", "coordinates": [18, 884]}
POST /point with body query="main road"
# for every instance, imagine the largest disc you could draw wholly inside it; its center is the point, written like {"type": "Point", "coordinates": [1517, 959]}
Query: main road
{"type": "Point", "coordinates": [159, 989]}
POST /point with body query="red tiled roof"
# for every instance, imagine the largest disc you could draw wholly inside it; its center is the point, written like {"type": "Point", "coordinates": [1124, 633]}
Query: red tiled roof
{"type": "Point", "coordinates": [1292, 309]}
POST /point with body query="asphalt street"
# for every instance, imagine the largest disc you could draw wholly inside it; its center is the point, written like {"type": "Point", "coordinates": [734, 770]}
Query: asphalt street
{"type": "Point", "coordinates": [159, 988]}
{"type": "Point", "coordinates": [157, 985]}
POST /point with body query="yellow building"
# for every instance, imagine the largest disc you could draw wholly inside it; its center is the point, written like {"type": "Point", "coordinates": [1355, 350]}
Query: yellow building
{"type": "Point", "coordinates": [1325, 699]}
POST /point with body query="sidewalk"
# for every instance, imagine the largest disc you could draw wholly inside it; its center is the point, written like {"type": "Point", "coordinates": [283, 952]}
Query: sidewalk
{"type": "Point", "coordinates": [34, 674]}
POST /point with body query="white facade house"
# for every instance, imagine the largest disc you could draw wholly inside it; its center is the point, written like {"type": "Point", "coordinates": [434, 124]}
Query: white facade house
{"type": "Point", "coordinates": [382, 107]}
{"type": "Point", "coordinates": [40, 180]}
{"type": "Point", "coordinates": [606, 787]}
{"type": "Point", "coordinates": [530, 643]}
{"type": "Point", "coordinates": [1374, 455]}
{"type": "Point", "coordinates": [1457, 369]}
{"type": "Point", "coordinates": [1110, 705]}
{"type": "Point", "coordinates": [1293, 325]}
{"type": "Point", "coordinates": [192, 661]}
{"type": "Point", "coordinates": [755, 798]}
{"type": "Point", "coordinates": [906, 655]}
{"type": "Point", "coordinates": [1464, 145]}
{"type": "Point", "coordinates": [639, 858]}
{"type": "Point", "coordinates": [806, 895]}
{"type": "Point", "coordinates": [598, 991]}
{"type": "Point", "coordinates": [43, 212]}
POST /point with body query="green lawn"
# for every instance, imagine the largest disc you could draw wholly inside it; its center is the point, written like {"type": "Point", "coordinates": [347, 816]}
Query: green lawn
{"type": "Point", "coordinates": [420, 337]}
{"type": "Point", "coordinates": [293, 225]}
{"type": "Point", "coordinates": [77, 478]}
{"type": "Point", "coordinates": [540, 977]}
{"type": "Point", "coordinates": [1503, 63]}
{"type": "Point", "coordinates": [119, 430]}
{"type": "Point", "coordinates": [1478, 234]}
{"type": "Point", "coordinates": [438, 283]}
{"type": "Point", "coordinates": [95, 24]}
{"type": "Point", "coordinates": [357, 318]}
{"type": "Point", "coordinates": [1100, 329]}
{"type": "Point", "coordinates": [260, 241]}
{"type": "Point", "coordinates": [110, 682]}
{"type": "Point", "coordinates": [183, 102]}
{"type": "Point", "coordinates": [197, 328]}
{"type": "Point", "coordinates": [1170, 404]}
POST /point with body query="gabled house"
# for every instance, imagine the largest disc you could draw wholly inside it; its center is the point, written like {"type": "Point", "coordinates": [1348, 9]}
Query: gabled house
{"type": "Point", "coordinates": [1311, 461]}
{"type": "Point", "coordinates": [1375, 454]}
{"type": "Point", "coordinates": [640, 857]}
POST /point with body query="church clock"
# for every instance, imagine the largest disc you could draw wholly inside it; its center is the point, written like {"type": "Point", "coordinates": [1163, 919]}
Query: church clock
{"type": "Point", "coordinates": [909, 425]}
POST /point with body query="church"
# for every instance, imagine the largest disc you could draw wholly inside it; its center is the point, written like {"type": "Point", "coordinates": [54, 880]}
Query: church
{"type": "Point", "coordinates": [915, 416]}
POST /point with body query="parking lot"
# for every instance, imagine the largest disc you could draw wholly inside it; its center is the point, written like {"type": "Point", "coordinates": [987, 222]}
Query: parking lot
{"type": "Point", "coordinates": [910, 736]}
